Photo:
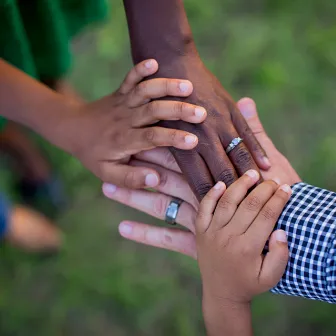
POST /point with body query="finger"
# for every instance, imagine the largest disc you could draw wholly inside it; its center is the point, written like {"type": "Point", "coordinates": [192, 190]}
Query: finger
{"type": "Point", "coordinates": [263, 225]}
{"type": "Point", "coordinates": [248, 110]}
{"type": "Point", "coordinates": [151, 137]}
{"type": "Point", "coordinates": [207, 207]}
{"type": "Point", "coordinates": [129, 177]}
{"type": "Point", "coordinates": [137, 74]}
{"type": "Point", "coordinates": [158, 88]}
{"type": "Point", "coordinates": [240, 156]}
{"type": "Point", "coordinates": [158, 110]}
{"type": "Point", "coordinates": [233, 196]}
{"type": "Point", "coordinates": [159, 156]}
{"type": "Point", "coordinates": [166, 238]}
{"type": "Point", "coordinates": [197, 172]}
{"type": "Point", "coordinates": [152, 203]}
{"type": "Point", "coordinates": [275, 261]}
{"type": "Point", "coordinates": [251, 206]}
{"type": "Point", "coordinates": [251, 142]}
{"type": "Point", "coordinates": [218, 162]}
{"type": "Point", "coordinates": [171, 183]}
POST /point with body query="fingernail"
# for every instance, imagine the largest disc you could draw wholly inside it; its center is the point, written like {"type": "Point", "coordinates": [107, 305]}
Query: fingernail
{"type": "Point", "coordinates": [281, 236]}
{"type": "Point", "coordinates": [218, 185]}
{"type": "Point", "coordinates": [267, 162]}
{"type": "Point", "coordinates": [276, 180]}
{"type": "Point", "coordinates": [149, 64]}
{"type": "Point", "coordinates": [248, 111]}
{"type": "Point", "coordinates": [253, 174]}
{"type": "Point", "coordinates": [184, 87]}
{"type": "Point", "coordinates": [109, 189]}
{"type": "Point", "coordinates": [151, 180]}
{"type": "Point", "coordinates": [199, 112]}
{"type": "Point", "coordinates": [189, 139]}
{"type": "Point", "coordinates": [286, 188]}
{"type": "Point", "coordinates": [125, 229]}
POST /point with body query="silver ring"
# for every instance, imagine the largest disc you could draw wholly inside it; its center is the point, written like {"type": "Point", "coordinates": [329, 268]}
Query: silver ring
{"type": "Point", "coordinates": [233, 144]}
{"type": "Point", "coordinates": [172, 211]}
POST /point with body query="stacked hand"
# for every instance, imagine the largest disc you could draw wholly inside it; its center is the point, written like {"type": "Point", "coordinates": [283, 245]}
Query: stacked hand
{"type": "Point", "coordinates": [208, 162]}
{"type": "Point", "coordinates": [104, 134]}
{"type": "Point", "coordinates": [232, 229]}
{"type": "Point", "coordinates": [173, 184]}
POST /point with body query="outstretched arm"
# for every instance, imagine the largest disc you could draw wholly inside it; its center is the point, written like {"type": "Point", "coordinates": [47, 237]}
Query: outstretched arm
{"type": "Point", "coordinates": [160, 29]}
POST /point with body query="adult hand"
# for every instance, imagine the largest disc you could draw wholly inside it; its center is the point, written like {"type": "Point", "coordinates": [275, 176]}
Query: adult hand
{"type": "Point", "coordinates": [208, 162]}
{"type": "Point", "coordinates": [160, 29]}
{"type": "Point", "coordinates": [173, 184]}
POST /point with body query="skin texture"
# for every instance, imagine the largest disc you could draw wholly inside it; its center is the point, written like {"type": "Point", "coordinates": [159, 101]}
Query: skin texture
{"type": "Point", "coordinates": [104, 134]}
{"type": "Point", "coordinates": [173, 184]}
{"type": "Point", "coordinates": [232, 228]}
{"type": "Point", "coordinates": [160, 29]}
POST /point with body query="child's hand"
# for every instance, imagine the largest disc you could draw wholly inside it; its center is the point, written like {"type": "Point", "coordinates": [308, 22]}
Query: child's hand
{"type": "Point", "coordinates": [107, 132]}
{"type": "Point", "coordinates": [232, 231]}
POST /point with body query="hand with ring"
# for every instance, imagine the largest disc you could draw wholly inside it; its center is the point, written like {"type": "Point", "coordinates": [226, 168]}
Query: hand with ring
{"type": "Point", "coordinates": [174, 201]}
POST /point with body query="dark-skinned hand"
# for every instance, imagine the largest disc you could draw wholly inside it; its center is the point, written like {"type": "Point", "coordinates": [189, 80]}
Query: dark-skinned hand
{"type": "Point", "coordinates": [208, 163]}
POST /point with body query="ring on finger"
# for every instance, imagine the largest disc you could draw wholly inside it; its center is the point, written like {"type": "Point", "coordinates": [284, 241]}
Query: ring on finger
{"type": "Point", "coordinates": [172, 211]}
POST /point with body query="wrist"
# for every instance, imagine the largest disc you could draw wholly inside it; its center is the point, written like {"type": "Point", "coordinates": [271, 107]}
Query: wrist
{"type": "Point", "coordinates": [224, 316]}
{"type": "Point", "coordinates": [58, 124]}
{"type": "Point", "coordinates": [172, 49]}
{"type": "Point", "coordinates": [224, 303]}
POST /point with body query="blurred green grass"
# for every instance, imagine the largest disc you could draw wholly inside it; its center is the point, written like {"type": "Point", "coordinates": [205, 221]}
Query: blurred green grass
{"type": "Point", "coordinates": [282, 54]}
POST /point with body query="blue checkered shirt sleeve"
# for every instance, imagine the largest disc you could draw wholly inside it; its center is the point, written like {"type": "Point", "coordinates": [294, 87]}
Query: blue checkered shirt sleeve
{"type": "Point", "coordinates": [309, 220]}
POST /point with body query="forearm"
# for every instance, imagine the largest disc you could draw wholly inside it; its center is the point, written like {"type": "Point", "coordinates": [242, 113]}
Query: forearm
{"type": "Point", "coordinates": [226, 318]}
{"type": "Point", "coordinates": [30, 103]}
{"type": "Point", "coordinates": [158, 29]}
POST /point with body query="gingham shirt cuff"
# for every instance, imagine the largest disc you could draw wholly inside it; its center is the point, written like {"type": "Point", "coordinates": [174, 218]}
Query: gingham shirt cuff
{"type": "Point", "coordinates": [309, 220]}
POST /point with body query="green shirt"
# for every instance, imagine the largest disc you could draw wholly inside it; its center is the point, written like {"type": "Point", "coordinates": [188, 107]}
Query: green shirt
{"type": "Point", "coordinates": [35, 35]}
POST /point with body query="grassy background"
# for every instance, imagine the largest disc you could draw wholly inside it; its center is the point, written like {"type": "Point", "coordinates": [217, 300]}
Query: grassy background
{"type": "Point", "coordinates": [280, 52]}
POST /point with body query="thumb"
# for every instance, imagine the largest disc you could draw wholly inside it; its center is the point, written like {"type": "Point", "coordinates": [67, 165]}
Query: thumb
{"type": "Point", "coordinates": [275, 261]}
{"type": "Point", "coordinates": [129, 177]}
{"type": "Point", "coordinates": [248, 109]}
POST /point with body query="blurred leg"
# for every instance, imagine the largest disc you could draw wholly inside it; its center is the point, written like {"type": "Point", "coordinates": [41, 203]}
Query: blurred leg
{"type": "Point", "coordinates": [27, 229]}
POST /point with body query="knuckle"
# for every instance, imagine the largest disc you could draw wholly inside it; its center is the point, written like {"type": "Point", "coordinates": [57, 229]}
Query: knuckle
{"type": "Point", "coordinates": [268, 213]}
{"type": "Point", "coordinates": [242, 157]}
{"type": "Point", "coordinates": [160, 206]}
{"type": "Point", "coordinates": [172, 135]}
{"type": "Point", "coordinates": [202, 189]}
{"type": "Point", "coordinates": [166, 86]}
{"type": "Point", "coordinates": [141, 89]}
{"type": "Point", "coordinates": [152, 108]}
{"type": "Point", "coordinates": [149, 135]}
{"type": "Point", "coordinates": [228, 176]}
{"type": "Point", "coordinates": [252, 203]}
{"type": "Point", "coordinates": [225, 203]}
{"type": "Point", "coordinates": [129, 180]}
{"type": "Point", "coordinates": [146, 235]}
{"type": "Point", "coordinates": [178, 109]}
